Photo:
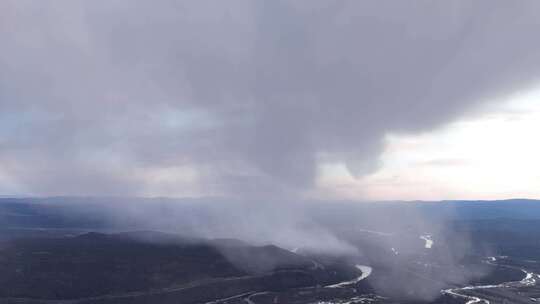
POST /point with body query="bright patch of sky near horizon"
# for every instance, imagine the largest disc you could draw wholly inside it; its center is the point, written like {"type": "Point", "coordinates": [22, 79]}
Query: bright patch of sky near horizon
{"type": "Point", "coordinates": [491, 154]}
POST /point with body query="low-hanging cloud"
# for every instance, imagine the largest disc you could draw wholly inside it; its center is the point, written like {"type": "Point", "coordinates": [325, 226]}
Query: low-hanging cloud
{"type": "Point", "coordinates": [98, 97]}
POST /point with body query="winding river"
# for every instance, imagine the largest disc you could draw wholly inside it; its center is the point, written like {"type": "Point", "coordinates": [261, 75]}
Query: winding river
{"type": "Point", "coordinates": [530, 279]}
{"type": "Point", "coordinates": [366, 271]}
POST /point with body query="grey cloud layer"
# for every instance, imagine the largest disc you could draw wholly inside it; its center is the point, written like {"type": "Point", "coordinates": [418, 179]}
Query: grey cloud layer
{"type": "Point", "coordinates": [253, 94]}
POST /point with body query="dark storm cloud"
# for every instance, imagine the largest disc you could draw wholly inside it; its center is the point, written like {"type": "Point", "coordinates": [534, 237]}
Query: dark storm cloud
{"type": "Point", "coordinates": [253, 94]}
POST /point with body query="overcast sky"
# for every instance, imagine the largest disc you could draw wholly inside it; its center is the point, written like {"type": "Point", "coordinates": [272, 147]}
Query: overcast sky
{"type": "Point", "coordinates": [340, 99]}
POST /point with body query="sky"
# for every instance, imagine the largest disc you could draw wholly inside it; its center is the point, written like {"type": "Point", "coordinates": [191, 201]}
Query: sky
{"type": "Point", "coordinates": [363, 100]}
{"type": "Point", "coordinates": [488, 155]}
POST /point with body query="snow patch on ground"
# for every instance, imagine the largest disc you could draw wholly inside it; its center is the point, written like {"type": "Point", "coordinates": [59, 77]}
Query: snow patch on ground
{"type": "Point", "coordinates": [429, 241]}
